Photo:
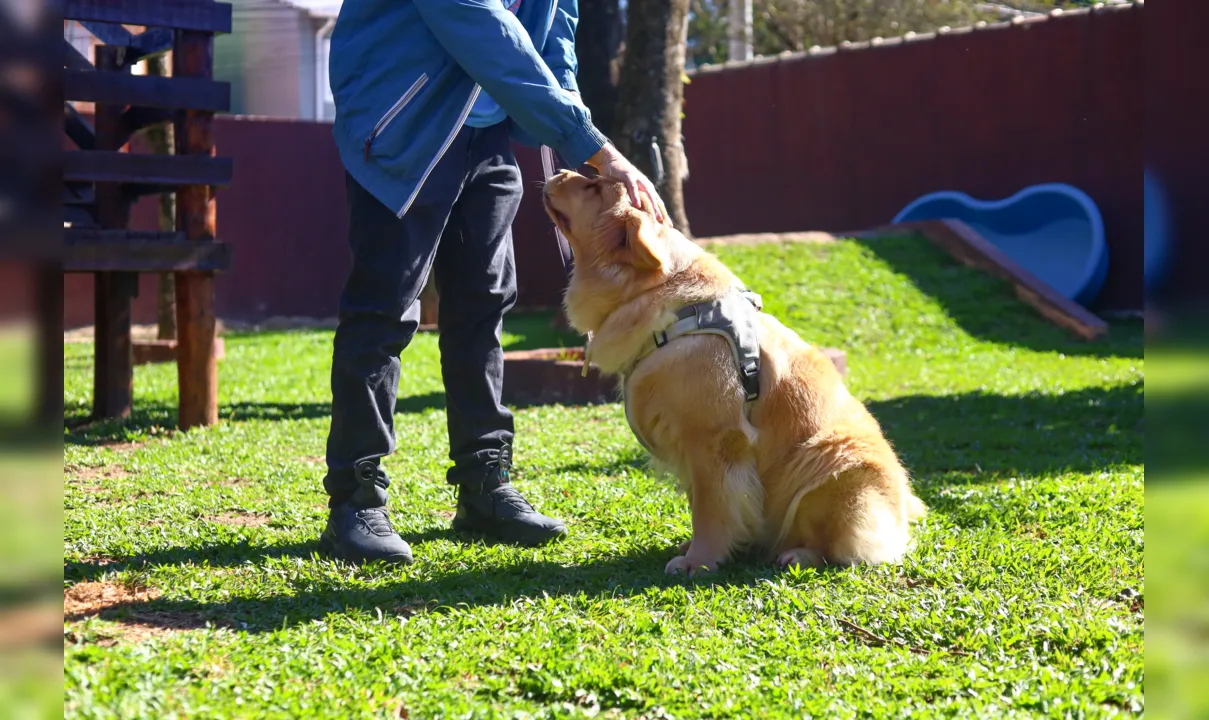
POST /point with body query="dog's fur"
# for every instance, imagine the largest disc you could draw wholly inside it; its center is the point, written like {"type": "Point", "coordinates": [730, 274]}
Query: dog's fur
{"type": "Point", "coordinates": [809, 477]}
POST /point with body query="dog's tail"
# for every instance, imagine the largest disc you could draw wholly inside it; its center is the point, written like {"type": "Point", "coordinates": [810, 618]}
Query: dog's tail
{"type": "Point", "coordinates": [915, 508]}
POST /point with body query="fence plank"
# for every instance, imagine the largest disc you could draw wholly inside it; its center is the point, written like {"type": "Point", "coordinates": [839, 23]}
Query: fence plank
{"type": "Point", "coordinates": [107, 166]}
{"type": "Point", "coordinates": [151, 41]}
{"type": "Point", "coordinates": [77, 127]}
{"type": "Point", "coordinates": [91, 250]}
{"type": "Point", "coordinates": [147, 91]}
{"type": "Point", "coordinates": [202, 15]}
{"type": "Point", "coordinates": [73, 60]}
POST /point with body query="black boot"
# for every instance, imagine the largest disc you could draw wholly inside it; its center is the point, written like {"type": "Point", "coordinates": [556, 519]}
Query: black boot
{"type": "Point", "coordinates": [492, 507]}
{"type": "Point", "coordinates": [358, 529]}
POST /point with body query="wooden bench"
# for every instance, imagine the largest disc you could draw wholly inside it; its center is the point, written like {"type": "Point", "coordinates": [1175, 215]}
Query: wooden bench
{"type": "Point", "coordinates": [102, 179]}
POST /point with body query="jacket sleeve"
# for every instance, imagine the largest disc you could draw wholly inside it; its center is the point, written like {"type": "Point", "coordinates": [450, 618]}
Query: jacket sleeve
{"type": "Point", "coordinates": [559, 50]}
{"type": "Point", "coordinates": [492, 46]}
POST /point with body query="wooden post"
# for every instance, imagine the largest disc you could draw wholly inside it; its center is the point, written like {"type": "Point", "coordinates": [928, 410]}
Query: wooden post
{"type": "Point", "coordinates": [113, 379]}
{"type": "Point", "coordinates": [196, 357]}
{"type": "Point", "coordinates": [429, 302]}
{"type": "Point", "coordinates": [159, 137]}
{"type": "Point", "coordinates": [49, 303]}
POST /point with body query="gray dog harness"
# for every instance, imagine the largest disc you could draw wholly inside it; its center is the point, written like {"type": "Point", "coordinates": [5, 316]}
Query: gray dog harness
{"type": "Point", "coordinates": [733, 317]}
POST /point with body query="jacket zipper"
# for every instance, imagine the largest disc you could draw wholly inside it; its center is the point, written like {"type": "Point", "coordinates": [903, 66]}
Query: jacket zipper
{"type": "Point", "coordinates": [394, 111]}
{"type": "Point", "coordinates": [474, 95]}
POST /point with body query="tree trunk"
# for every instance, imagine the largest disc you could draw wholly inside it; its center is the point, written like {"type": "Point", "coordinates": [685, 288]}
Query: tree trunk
{"type": "Point", "coordinates": [651, 96]}
{"type": "Point", "coordinates": [597, 43]}
{"type": "Point", "coordinates": [160, 137]}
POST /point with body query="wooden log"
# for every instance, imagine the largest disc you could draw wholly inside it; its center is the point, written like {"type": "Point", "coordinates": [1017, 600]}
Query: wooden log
{"type": "Point", "coordinates": [113, 379]}
{"type": "Point", "coordinates": [197, 358]}
{"type": "Point", "coordinates": [204, 15]}
{"type": "Point", "coordinates": [146, 90]}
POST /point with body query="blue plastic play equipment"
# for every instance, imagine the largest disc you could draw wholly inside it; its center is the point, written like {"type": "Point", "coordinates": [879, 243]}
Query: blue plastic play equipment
{"type": "Point", "coordinates": [1053, 230]}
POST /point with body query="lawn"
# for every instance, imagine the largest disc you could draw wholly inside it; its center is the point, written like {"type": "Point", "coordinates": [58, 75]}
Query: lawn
{"type": "Point", "coordinates": [1023, 597]}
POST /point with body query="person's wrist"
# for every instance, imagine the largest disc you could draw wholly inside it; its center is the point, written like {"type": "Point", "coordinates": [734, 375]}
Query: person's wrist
{"type": "Point", "coordinates": [601, 158]}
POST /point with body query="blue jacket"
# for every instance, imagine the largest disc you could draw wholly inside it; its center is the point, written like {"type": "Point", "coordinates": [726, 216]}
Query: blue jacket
{"type": "Point", "coordinates": [405, 73]}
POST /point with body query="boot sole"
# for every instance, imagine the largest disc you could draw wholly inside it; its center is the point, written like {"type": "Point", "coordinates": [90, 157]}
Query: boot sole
{"type": "Point", "coordinates": [465, 527]}
{"type": "Point", "coordinates": [329, 548]}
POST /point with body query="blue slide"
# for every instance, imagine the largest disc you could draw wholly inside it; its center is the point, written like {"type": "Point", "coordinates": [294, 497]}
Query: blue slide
{"type": "Point", "coordinates": [1053, 230]}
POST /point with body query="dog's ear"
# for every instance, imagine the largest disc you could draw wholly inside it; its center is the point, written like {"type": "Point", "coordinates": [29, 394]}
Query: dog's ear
{"type": "Point", "coordinates": [643, 241]}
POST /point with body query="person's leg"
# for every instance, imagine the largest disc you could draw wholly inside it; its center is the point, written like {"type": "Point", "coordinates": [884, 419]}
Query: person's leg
{"type": "Point", "coordinates": [379, 315]}
{"type": "Point", "coordinates": [475, 273]}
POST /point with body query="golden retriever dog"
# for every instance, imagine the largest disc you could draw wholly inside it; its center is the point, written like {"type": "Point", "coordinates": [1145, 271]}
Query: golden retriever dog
{"type": "Point", "coordinates": [804, 473]}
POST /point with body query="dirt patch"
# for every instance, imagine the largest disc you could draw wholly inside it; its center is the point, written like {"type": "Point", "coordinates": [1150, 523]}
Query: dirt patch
{"type": "Point", "coordinates": [120, 604]}
{"type": "Point", "coordinates": [764, 238]}
{"type": "Point", "coordinates": [240, 519]}
{"type": "Point", "coordinates": [89, 599]}
{"type": "Point", "coordinates": [90, 475]}
{"type": "Point", "coordinates": [93, 480]}
{"type": "Point", "coordinates": [230, 482]}
{"type": "Point", "coordinates": [445, 514]}
{"type": "Point", "coordinates": [138, 627]}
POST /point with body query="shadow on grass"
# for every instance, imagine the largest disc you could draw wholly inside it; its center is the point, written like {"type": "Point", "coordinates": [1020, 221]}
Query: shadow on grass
{"type": "Point", "coordinates": [988, 308]}
{"type": "Point", "coordinates": [989, 437]}
{"type": "Point", "coordinates": [146, 416]}
{"type": "Point", "coordinates": [616, 576]}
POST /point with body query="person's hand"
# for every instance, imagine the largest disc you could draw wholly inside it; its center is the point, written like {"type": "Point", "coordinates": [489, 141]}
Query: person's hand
{"type": "Point", "coordinates": [612, 163]}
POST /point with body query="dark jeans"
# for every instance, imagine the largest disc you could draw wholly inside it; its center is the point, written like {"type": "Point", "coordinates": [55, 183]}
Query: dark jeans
{"type": "Point", "coordinates": [460, 227]}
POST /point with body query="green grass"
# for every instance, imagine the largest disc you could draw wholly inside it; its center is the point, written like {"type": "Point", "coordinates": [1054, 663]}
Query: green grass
{"type": "Point", "coordinates": [1022, 598]}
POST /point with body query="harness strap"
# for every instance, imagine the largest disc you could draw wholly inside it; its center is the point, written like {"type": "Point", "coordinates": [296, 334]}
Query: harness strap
{"type": "Point", "coordinates": [550, 163]}
{"type": "Point", "coordinates": [730, 318]}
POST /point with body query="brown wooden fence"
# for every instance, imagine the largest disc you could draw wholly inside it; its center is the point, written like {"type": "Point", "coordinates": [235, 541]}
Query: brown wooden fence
{"type": "Point", "coordinates": [831, 141]}
{"type": "Point", "coordinates": [1177, 148]}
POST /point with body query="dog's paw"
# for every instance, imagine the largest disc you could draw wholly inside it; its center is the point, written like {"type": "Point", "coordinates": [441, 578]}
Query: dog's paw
{"type": "Point", "coordinates": [684, 546]}
{"type": "Point", "coordinates": [800, 557]}
{"type": "Point", "coordinates": [683, 565]}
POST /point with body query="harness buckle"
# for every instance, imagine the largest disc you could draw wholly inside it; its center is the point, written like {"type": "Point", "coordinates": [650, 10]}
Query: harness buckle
{"type": "Point", "coordinates": [750, 370]}
{"type": "Point", "coordinates": [661, 338]}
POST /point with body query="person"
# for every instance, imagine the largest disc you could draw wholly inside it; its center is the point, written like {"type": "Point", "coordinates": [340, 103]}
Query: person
{"type": "Point", "coordinates": [429, 95]}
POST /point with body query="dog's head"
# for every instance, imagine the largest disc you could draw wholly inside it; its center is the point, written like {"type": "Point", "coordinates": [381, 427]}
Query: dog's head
{"type": "Point", "coordinates": [610, 237]}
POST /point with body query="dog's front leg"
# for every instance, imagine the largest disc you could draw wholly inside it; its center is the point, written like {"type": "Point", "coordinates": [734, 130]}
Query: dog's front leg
{"type": "Point", "coordinates": [711, 532]}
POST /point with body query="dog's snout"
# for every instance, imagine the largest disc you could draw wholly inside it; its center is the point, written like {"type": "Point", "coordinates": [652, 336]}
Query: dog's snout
{"type": "Point", "coordinates": [557, 182]}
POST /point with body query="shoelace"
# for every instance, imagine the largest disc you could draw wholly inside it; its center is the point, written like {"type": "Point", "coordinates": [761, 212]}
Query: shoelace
{"type": "Point", "coordinates": [507, 495]}
{"type": "Point", "coordinates": [376, 519]}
